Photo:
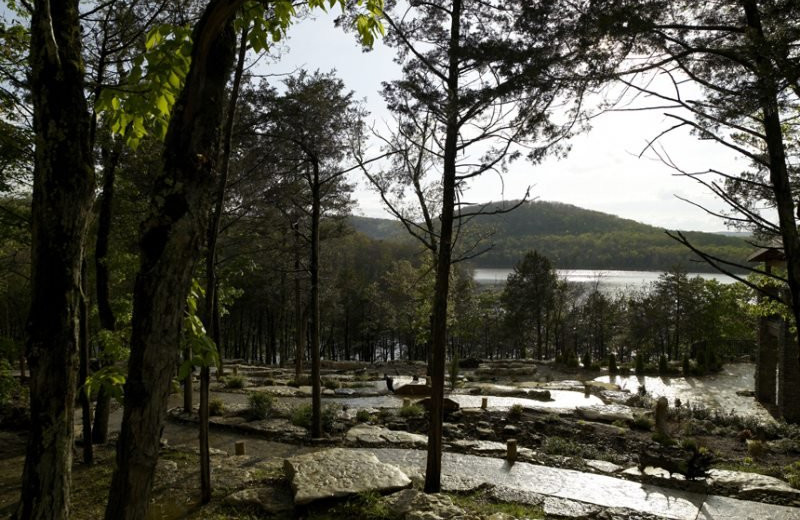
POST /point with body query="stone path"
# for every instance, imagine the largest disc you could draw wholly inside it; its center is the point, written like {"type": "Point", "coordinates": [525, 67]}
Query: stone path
{"type": "Point", "coordinates": [462, 472]}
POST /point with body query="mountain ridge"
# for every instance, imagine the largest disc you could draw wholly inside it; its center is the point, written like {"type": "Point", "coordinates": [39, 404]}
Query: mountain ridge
{"type": "Point", "coordinates": [575, 238]}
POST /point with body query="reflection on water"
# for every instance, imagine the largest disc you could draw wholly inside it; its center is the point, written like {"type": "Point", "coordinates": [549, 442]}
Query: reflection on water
{"type": "Point", "coordinates": [717, 391]}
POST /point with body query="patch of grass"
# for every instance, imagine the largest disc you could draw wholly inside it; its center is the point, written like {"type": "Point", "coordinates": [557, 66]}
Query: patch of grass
{"type": "Point", "coordinates": [363, 416]}
{"type": "Point", "coordinates": [478, 503]}
{"type": "Point", "coordinates": [364, 506]}
{"type": "Point", "coordinates": [756, 448]}
{"type": "Point", "coordinates": [748, 466]}
{"type": "Point", "coordinates": [234, 382]}
{"type": "Point", "coordinates": [260, 405]}
{"type": "Point", "coordinates": [216, 406]}
{"type": "Point", "coordinates": [411, 411]}
{"type": "Point", "coordinates": [569, 448]}
{"type": "Point", "coordinates": [792, 474]}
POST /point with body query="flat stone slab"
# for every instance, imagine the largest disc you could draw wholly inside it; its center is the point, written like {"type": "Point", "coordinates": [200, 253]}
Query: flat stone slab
{"type": "Point", "coordinates": [598, 490]}
{"type": "Point", "coordinates": [603, 465]}
{"type": "Point", "coordinates": [376, 435]}
{"type": "Point", "coordinates": [605, 413]}
{"type": "Point", "coordinates": [272, 500]}
{"type": "Point", "coordinates": [751, 485]}
{"type": "Point", "coordinates": [340, 472]}
{"type": "Point", "coordinates": [724, 508]}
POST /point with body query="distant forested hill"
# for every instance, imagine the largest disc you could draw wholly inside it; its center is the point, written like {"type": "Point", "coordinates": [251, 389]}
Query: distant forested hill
{"type": "Point", "coordinates": [577, 238]}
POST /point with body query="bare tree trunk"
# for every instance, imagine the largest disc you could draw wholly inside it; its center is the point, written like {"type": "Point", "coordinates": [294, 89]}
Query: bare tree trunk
{"type": "Point", "coordinates": [83, 370]}
{"type": "Point", "coordinates": [299, 314]}
{"type": "Point", "coordinates": [433, 471]}
{"type": "Point", "coordinates": [106, 314]}
{"type": "Point", "coordinates": [316, 389]}
{"type": "Point", "coordinates": [169, 246]}
{"type": "Point", "coordinates": [778, 171]}
{"type": "Point", "coordinates": [211, 269]}
{"type": "Point", "coordinates": [63, 183]}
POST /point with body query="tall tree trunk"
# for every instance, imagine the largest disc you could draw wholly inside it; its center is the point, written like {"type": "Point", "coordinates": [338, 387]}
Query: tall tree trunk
{"type": "Point", "coordinates": [110, 158]}
{"type": "Point", "coordinates": [83, 369]}
{"type": "Point", "coordinates": [211, 268]}
{"type": "Point", "coordinates": [316, 389]}
{"type": "Point", "coordinates": [170, 243]}
{"type": "Point", "coordinates": [299, 313]}
{"type": "Point", "coordinates": [63, 184]}
{"type": "Point", "coordinates": [778, 170]}
{"type": "Point", "coordinates": [433, 471]}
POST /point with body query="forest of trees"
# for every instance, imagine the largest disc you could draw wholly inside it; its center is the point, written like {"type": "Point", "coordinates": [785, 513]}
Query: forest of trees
{"type": "Point", "coordinates": [163, 203]}
{"type": "Point", "coordinates": [576, 238]}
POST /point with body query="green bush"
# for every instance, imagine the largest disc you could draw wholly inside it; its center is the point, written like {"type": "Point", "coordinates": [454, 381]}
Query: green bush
{"type": "Point", "coordinates": [792, 474]}
{"type": "Point", "coordinates": [687, 366]}
{"type": "Point", "coordinates": [363, 416]}
{"type": "Point", "coordinates": [641, 422]}
{"type": "Point", "coordinates": [412, 410]}
{"type": "Point", "coordinates": [260, 405]}
{"type": "Point", "coordinates": [216, 407]}
{"type": "Point", "coordinates": [330, 384]}
{"type": "Point", "coordinates": [301, 416]}
{"type": "Point", "coordinates": [303, 381]}
{"type": "Point", "coordinates": [234, 382]}
{"type": "Point", "coordinates": [586, 360]}
{"type": "Point", "coordinates": [515, 412]}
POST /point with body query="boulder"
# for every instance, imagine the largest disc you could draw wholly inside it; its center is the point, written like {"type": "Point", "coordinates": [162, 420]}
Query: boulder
{"type": "Point", "coordinates": [413, 390]}
{"type": "Point", "coordinates": [448, 404]}
{"type": "Point", "coordinates": [751, 486]}
{"type": "Point", "coordinates": [411, 504]}
{"type": "Point", "coordinates": [339, 472]}
{"type": "Point", "coordinates": [605, 413]}
{"type": "Point", "coordinates": [367, 434]}
{"type": "Point", "coordinates": [469, 363]}
{"type": "Point", "coordinates": [270, 500]}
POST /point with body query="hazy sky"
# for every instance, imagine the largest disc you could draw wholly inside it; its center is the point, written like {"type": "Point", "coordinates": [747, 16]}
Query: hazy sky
{"type": "Point", "coordinates": [602, 172]}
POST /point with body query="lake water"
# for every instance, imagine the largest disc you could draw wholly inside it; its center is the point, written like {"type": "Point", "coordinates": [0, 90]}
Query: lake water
{"type": "Point", "coordinates": [607, 281]}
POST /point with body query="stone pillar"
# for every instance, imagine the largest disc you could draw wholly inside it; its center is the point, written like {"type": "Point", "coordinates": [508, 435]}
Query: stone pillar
{"type": "Point", "coordinates": [767, 360]}
{"type": "Point", "coordinates": [788, 377]}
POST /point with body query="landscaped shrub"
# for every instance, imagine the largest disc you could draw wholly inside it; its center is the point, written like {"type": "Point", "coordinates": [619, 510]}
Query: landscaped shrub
{"type": "Point", "coordinates": [586, 360]}
{"type": "Point", "coordinates": [216, 407]}
{"type": "Point", "coordinates": [330, 384]}
{"type": "Point", "coordinates": [234, 382]}
{"type": "Point", "coordinates": [515, 412]}
{"type": "Point", "coordinates": [260, 405]}
{"type": "Point", "coordinates": [363, 416]}
{"type": "Point", "coordinates": [301, 416]}
{"type": "Point", "coordinates": [410, 411]}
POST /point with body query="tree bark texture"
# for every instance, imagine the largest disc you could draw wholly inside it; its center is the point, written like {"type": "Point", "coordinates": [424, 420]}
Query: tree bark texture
{"type": "Point", "coordinates": [62, 193]}
{"type": "Point", "coordinates": [433, 470]}
{"type": "Point", "coordinates": [316, 384]}
{"type": "Point", "coordinates": [110, 158]}
{"type": "Point", "coordinates": [778, 170]}
{"type": "Point", "coordinates": [170, 243]}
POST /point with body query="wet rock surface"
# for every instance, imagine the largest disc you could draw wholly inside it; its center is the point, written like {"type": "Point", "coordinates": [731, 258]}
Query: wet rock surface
{"type": "Point", "coordinates": [339, 472]}
{"type": "Point", "coordinates": [365, 434]}
{"type": "Point", "coordinates": [412, 504]}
